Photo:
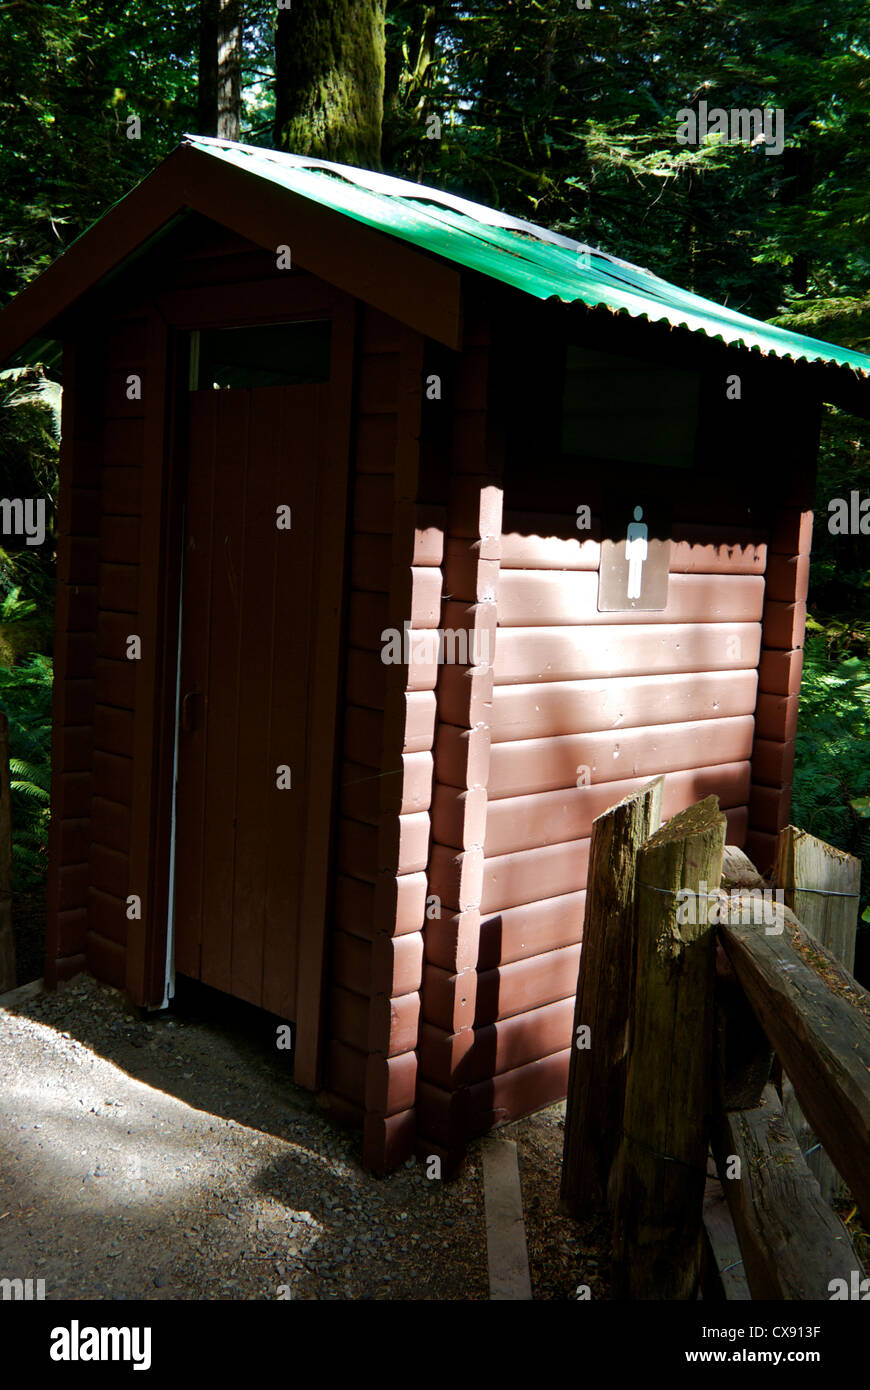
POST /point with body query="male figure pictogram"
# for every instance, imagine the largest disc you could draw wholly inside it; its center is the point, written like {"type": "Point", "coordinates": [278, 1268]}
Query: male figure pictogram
{"type": "Point", "coordinates": [636, 551]}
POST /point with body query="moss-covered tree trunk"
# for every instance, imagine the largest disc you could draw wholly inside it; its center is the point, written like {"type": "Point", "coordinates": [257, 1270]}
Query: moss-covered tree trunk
{"type": "Point", "coordinates": [329, 80]}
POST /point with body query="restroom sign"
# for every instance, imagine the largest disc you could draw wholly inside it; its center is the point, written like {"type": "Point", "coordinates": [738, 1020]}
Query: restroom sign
{"type": "Point", "coordinates": [635, 555]}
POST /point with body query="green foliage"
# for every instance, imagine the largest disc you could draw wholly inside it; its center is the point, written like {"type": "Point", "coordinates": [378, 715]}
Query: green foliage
{"type": "Point", "coordinates": [24, 628]}
{"type": "Point", "coordinates": [839, 596]}
{"type": "Point", "coordinates": [832, 769]}
{"type": "Point", "coordinates": [25, 698]}
{"type": "Point", "coordinates": [564, 115]}
{"type": "Point", "coordinates": [71, 73]}
{"type": "Point", "coordinates": [29, 435]}
{"type": "Point", "coordinates": [569, 117]}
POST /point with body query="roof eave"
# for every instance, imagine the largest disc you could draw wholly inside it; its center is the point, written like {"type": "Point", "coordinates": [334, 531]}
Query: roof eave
{"type": "Point", "coordinates": [409, 285]}
{"type": "Point", "coordinates": [835, 383]}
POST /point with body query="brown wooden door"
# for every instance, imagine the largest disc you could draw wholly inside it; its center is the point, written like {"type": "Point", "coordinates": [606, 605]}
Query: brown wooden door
{"type": "Point", "coordinates": [246, 651]}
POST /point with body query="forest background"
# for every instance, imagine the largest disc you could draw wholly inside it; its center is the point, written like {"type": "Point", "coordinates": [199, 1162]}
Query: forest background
{"type": "Point", "coordinates": [560, 111]}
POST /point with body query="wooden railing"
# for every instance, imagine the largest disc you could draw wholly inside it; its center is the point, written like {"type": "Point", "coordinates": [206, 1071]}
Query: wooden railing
{"type": "Point", "coordinates": [696, 987]}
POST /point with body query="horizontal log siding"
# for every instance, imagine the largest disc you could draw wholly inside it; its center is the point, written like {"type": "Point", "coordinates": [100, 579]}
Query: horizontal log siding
{"type": "Point", "coordinates": [415, 594]}
{"type": "Point", "coordinates": [456, 860]}
{"type": "Point", "coordinates": [779, 675]}
{"type": "Point", "coordinates": [570, 692]}
{"type": "Point", "coordinates": [78, 529]}
{"type": "Point", "coordinates": [386, 769]}
{"type": "Point", "coordinates": [376, 433]}
{"type": "Point", "coordinates": [104, 843]}
{"type": "Point", "coordinates": [118, 680]}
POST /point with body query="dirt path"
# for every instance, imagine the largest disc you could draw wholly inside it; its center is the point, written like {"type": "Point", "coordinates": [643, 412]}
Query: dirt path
{"type": "Point", "coordinates": [175, 1159]}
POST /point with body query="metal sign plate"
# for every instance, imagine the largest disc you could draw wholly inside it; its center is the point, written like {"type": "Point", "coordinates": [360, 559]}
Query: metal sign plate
{"type": "Point", "coordinates": [635, 555]}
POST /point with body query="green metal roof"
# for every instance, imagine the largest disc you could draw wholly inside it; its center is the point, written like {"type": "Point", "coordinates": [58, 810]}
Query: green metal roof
{"type": "Point", "coordinates": [533, 259]}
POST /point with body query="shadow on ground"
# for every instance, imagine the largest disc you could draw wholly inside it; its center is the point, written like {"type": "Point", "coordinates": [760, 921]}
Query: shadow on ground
{"type": "Point", "coordinates": [171, 1156]}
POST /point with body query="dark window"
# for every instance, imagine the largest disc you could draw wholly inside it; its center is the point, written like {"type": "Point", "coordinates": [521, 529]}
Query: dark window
{"type": "Point", "coordinates": [274, 354]}
{"type": "Point", "coordinates": [632, 411]}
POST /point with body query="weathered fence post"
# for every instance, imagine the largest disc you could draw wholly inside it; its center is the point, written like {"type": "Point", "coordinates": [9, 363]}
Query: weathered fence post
{"type": "Point", "coordinates": [7, 941]}
{"type": "Point", "coordinates": [596, 1081]}
{"type": "Point", "coordinates": [821, 886]}
{"type": "Point", "coordinates": [663, 1154]}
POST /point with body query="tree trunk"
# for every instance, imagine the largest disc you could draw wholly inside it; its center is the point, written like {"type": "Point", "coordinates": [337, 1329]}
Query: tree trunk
{"type": "Point", "coordinates": [421, 77]}
{"type": "Point", "coordinates": [329, 80]}
{"type": "Point", "coordinates": [219, 99]}
{"type": "Point", "coordinates": [229, 65]}
{"type": "Point", "coordinates": [207, 82]}
{"type": "Point", "coordinates": [410, 76]}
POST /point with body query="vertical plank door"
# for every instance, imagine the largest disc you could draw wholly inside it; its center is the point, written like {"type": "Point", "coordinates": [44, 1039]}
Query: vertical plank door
{"type": "Point", "coordinates": [246, 651]}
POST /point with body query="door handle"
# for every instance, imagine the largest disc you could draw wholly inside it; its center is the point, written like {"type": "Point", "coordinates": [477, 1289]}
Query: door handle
{"type": "Point", "coordinates": [188, 712]}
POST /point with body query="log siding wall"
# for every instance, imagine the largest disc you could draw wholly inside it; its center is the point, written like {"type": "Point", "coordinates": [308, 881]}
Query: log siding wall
{"type": "Point", "coordinates": [113, 537]}
{"type": "Point", "coordinates": [784, 623]}
{"type": "Point", "coordinates": [462, 749]}
{"type": "Point", "coordinates": [386, 770]}
{"type": "Point", "coordinates": [121, 684]}
{"type": "Point", "coordinates": [364, 700]}
{"type": "Point", "coordinates": [78, 560]}
{"type": "Point", "coordinates": [569, 696]}
{"type": "Point", "coordinates": [572, 699]}
{"type": "Point", "coordinates": [780, 667]}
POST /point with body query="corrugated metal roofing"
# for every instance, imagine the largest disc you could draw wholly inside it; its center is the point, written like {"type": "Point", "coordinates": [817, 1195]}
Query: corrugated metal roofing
{"type": "Point", "coordinates": [539, 262]}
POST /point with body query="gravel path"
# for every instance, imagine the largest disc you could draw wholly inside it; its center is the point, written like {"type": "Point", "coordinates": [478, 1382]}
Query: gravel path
{"type": "Point", "coordinates": [175, 1159]}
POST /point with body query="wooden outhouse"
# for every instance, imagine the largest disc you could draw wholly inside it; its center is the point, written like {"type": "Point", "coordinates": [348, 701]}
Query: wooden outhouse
{"type": "Point", "coordinates": [398, 539]}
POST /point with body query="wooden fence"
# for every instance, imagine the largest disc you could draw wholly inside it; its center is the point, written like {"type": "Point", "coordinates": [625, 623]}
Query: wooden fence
{"type": "Point", "coordinates": [710, 1025]}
